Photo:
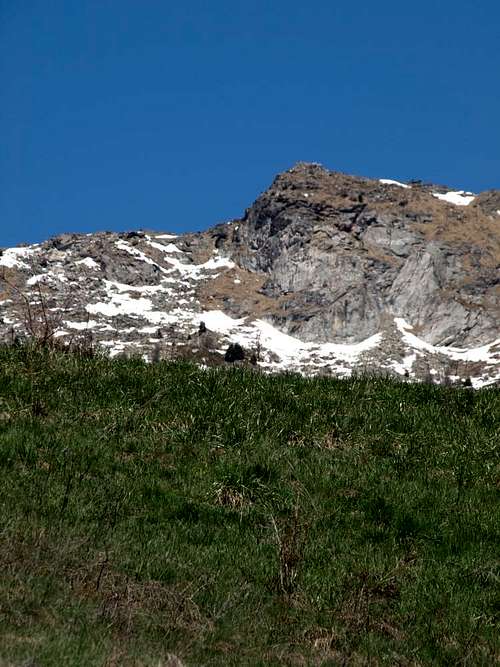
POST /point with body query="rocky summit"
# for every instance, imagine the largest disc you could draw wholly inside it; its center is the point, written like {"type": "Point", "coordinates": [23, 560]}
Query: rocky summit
{"type": "Point", "coordinates": [325, 273]}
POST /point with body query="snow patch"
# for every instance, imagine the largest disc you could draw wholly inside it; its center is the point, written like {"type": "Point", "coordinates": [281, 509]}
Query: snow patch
{"type": "Point", "coordinates": [195, 271]}
{"type": "Point", "coordinates": [186, 270]}
{"type": "Point", "coordinates": [291, 351]}
{"type": "Point", "coordinates": [124, 245]}
{"type": "Point", "coordinates": [483, 353]}
{"type": "Point", "coordinates": [13, 257]}
{"type": "Point", "coordinates": [147, 289]}
{"type": "Point", "coordinates": [389, 181]}
{"type": "Point", "coordinates": [34, 280]}
{"type": "Point", "coordinates": [81, 326]}
{"type": "Point", "coordinates": [170, 247]}
{"type": "Point", "coordinates": [121, 304]}
{"type": "Point", "coordinates": [218, 321]}
{"type": "Point", "coordinates": [405, 366]}
{"type": "Point", "coordinates": [148, 330]}
{"type": "Point", "coordinates": [457, 197]}
{"type": "Point", "coordinates": [216, 263]}
{"type": "Point", "coordinates": [89, 263]}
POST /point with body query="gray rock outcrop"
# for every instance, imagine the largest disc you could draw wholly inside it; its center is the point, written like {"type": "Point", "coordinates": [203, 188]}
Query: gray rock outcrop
{"type": "Point", "coordinates": [341, 253]}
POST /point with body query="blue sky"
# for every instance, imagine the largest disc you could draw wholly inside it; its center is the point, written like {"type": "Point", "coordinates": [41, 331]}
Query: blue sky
{"type": "Point", "coordinates": [175, 115]}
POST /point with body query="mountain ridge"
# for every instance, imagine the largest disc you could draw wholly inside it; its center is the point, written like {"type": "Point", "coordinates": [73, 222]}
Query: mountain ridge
{"type": "Point", "coordinates": [324, 273]}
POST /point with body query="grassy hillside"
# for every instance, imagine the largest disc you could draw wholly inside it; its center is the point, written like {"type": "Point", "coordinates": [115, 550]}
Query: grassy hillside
{"type": "Point", "coordinates": [231, 518]}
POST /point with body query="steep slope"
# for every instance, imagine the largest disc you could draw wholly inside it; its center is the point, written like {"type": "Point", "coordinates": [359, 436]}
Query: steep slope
{"type": "Point", "coordinates": [324, 273]}
{"type": "Point", "coordinates": [342, 253]}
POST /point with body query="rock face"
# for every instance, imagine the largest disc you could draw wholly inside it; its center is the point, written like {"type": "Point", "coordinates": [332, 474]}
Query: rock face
{"type": "Point", "coordinates": [324, 273]}
{"type": "Point", "coordinates": [342, 253]}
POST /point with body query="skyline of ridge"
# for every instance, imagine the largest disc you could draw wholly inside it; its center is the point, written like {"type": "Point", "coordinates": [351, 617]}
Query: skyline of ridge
{"type": "Point", "coordinates": [176, 116]}
{"type": "Point", "coordinates": [210, 224]}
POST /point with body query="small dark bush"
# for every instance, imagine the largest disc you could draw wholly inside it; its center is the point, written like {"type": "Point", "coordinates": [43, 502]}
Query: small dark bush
{"type": "Point", "coordinates": [234, 353]}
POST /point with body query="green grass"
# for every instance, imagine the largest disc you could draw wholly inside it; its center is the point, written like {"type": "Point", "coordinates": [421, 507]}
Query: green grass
{"type": "Point", "coordinates": [232, 518]}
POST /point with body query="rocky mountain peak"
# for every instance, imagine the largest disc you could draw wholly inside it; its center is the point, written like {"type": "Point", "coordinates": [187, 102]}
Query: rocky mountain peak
{"type": "Point", "coordinates": [341, 253]}
{"type": "Point", "coordinates": [325, 272]}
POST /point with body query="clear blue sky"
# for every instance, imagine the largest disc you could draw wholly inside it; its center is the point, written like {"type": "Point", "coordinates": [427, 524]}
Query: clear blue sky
{"type": "Point", "coordinates": [175, 115]}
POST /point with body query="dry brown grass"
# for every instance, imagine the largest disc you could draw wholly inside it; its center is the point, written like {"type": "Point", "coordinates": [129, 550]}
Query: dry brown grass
{"type": "Point", "coordinates": [227, 496]}
{"type": "Point", "coordinates": [118, 600]}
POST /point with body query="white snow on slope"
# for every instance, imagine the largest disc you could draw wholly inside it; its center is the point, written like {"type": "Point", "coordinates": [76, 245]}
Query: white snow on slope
{"type": "Point", "coordinates": [217, 321]}
{"type": "Point", "coordinates": [124, 245]}
{"type": "Point", "coordinates": [112, 285]}
{"type": "Point", "coordinates": [483, 353]}
{"type": "Point", "coordinates": [82, 326]}
{"type": "Point", "coordinates": [291, 351]}
{"type": "Point", "coordinates": [34, 280]}
{"type": "Point", "coordinates": [13, 257]}
{"type": "Point", "coordinates": [187, 270]}
{"type": "Point", "coordinates": [389, 181]}
{"type": "Point", "coordinates": [217, 263]}
{"type": "Point", "coordinates": [148, 330]}
{"type": "Point", "coordinates": [121, 304]}
{"type": "Point", "coordinates": [196, 271]}
{"type": "Point", "coordinates": [405, 366]}
{"type": "Point", "coordinates": [170, 247]}
{"type": "Point", "coordinates": [485, 380]}
{"type": "Point", "coordinates": [89, 263]}
{"type": "Point", "coordinates": [458, 197]}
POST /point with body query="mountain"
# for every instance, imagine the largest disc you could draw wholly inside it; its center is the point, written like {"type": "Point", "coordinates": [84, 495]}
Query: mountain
{"type": "Point", "coordinates": [324, 273]}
